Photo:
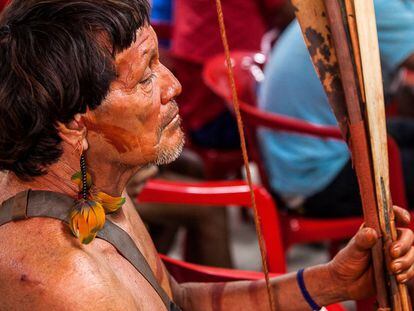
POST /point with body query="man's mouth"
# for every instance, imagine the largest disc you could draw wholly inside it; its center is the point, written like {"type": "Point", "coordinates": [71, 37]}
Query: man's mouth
{"type": "Point", "coordinates": [172, 116]}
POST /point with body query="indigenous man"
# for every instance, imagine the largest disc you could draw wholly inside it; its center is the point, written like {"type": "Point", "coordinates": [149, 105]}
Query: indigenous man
{"type": "Point", "coordinates": [81, 78]}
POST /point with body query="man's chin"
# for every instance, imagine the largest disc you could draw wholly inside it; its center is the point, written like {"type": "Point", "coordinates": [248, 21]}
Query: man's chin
{"type": "Point", "coordinates": [170, 153]}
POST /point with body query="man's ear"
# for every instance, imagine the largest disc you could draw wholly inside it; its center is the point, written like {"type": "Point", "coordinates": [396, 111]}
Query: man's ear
{"type": "Point", "coordinates": [74, 132]}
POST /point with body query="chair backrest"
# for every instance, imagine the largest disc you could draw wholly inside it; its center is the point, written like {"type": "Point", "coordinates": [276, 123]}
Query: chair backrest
{"type": "Point", "coordinates": [257, 118]}
{"type": "Point", "coordinates": [187, 272]}
{"type": "Point", "coordinates": [220, 194]}
{"type": "Point", "coordinates": [247, 68]}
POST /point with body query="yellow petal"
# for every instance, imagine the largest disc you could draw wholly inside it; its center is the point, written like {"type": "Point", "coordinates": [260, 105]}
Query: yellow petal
{"type": "Point", "coordinates": [99, 214]}
{"type": "Point", "coordinates": [86, 219]}
{"type": "Point", "coordinates": [110, 204]}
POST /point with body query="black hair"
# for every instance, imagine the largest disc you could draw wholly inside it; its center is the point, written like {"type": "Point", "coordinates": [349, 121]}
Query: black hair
{"type": "Point", "coordinates": [56, 60]}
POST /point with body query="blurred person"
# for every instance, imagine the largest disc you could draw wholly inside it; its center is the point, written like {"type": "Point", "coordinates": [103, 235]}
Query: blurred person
{"type": "Point", "coordinates": [91, 95]}
{"type": "Point", "coordinates": [196, 37]}
{"type": "Point", "coordinates": [310, 173]}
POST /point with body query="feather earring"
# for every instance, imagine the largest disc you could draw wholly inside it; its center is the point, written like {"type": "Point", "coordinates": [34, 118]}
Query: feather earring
{"type": "Point", "coordinates": [87, 216]}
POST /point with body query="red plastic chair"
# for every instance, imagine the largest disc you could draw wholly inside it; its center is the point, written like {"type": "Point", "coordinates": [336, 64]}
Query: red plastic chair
{"type": "Point", "coordinates": [187, 272]}
{"type": "Point", "coordinates": [219, 194]}
{"type": "Point", "coordinates": [247, 69]}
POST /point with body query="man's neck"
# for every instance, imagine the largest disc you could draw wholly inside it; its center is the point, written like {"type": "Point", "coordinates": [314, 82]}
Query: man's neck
{"type": "Point", "coordinates": [111, 179]}
{"type": "Point", "coordinates": [108, 178]}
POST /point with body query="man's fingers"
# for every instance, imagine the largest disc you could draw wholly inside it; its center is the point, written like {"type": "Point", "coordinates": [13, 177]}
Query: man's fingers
{"type": "Point", "coordinates": [403, 263]}
{"type": "Point", "coordinates": [403, 244]}
{"type": "Point", "coordinates": [402, 252]}
{"type": "Point", "coordinates": [365, 239]}
{"type": "Point", "coordinates": [402, 216]}
{"type": "Point", "coordinates": [405, 275]}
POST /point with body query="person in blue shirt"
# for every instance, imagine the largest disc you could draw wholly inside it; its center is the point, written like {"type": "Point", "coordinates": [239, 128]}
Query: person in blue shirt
{"type": "Point", "coordinates": [310, 173]}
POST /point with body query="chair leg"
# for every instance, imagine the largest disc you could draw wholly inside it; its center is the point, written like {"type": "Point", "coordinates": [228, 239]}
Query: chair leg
{"type": "Point", "coordinates": [207, 239]}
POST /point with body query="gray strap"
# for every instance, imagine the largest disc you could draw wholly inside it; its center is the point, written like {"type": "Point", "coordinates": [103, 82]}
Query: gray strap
{"type": "Point", "coordinates": [20, 205]}
{"type": "Point", "coordinates": [126, 247]}
{"type": "Point", "coordinates": [30, 204]}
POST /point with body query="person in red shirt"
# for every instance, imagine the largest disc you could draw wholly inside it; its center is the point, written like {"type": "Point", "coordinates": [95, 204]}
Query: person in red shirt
{"type": "Point", "coordinates": [196, 37]}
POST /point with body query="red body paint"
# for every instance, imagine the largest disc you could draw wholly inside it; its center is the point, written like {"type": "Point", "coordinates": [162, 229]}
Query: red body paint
{"type": "Point", "coordinates": [216, 296]}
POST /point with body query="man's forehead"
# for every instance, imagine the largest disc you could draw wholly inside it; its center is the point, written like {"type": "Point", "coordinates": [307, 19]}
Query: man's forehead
{"type": "Point", "coordinates": [144, 44]}
{"type": "Point", "coordinates": [143, 34]}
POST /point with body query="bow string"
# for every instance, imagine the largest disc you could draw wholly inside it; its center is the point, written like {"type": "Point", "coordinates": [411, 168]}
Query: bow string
{"type": "Point", "coordinates": [236, 106]}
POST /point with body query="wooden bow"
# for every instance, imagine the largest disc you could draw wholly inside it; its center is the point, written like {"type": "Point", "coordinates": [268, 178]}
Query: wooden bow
{"type": "Point", "coordinates": [342, 40]}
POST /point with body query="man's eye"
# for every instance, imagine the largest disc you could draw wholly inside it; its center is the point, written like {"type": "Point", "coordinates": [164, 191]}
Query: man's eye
{"type": "Point", "coordinates": [147, 80]}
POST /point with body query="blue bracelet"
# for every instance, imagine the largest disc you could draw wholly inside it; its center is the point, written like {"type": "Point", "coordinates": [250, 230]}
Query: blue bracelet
{"type": "Point", "coordinates": [304, 291]}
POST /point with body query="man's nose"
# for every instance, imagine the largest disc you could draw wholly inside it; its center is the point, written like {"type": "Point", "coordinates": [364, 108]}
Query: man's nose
{"type": "Point", "coordinates": [170, 87]}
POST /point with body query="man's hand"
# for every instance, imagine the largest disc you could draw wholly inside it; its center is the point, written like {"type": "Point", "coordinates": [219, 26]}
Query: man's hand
{"type": "Point", "coordinates": [352, 270]}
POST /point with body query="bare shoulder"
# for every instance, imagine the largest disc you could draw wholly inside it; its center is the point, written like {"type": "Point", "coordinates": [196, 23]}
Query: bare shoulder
{"type": "Point", "coordinates": [43, 267]}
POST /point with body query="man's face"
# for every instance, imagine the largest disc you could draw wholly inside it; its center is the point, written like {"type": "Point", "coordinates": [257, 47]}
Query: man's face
{"type": "Point", "coordinates": [138, 122]}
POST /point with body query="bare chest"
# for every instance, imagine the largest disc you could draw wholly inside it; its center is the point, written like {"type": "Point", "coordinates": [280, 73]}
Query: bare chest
{"type": "Point", "coordinates": [42, 250]}
{"type": "Point", "coordinates": [125, 276]}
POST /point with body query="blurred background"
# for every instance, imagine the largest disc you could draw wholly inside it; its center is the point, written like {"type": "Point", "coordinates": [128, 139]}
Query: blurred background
{"type": "Point", "coordinates": [198, 209]}
{"type": "Point", "coordinates": [306, 189]}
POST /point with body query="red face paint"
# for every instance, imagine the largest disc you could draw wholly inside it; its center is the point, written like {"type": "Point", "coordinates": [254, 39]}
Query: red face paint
{"type": "Point", "coordinates": [121, 139]}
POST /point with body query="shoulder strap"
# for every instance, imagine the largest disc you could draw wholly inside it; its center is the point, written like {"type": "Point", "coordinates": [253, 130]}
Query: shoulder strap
{"type": "Point", "coordinates": [126, 247]}
{"type": "Point", "coordinates": [29, 204]}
